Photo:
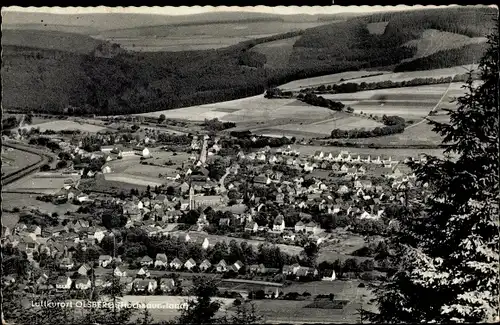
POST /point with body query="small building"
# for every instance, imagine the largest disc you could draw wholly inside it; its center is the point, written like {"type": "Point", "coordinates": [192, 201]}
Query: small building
{"type": "Point", "coordinates": [146, 261]}
{"type": "Point", "coordinates": [167, 284]}
{"type": "Point", "coordinates": [205, 265]}
{"type": "Point", "coordinates": [251, 226]}
{"type": "Point", "coordinates": [299, 226]}
{"type": "Point", "coordinates": [84, 269]}
{"type": "Point", "coordinates": [221, 266]}
{"type": "Point", "coordinates": [279, 224]}
{"type": "Point", "coordinates": [83, 283]}
{"type": "Point", "coordinates": [63, 283]}
{"type": "Point", "coordinates": [119, 272]}
{"type": "Point", "coordinates": [329, 276]}
{"type": "Point", "coordinates": [105, 260]}
{"type": "Point", "coordinates": [161, 261]}
{"type": "Point", "coordinates": [176, 264]}
{"type": "Point", "coordinates": [190, 264]}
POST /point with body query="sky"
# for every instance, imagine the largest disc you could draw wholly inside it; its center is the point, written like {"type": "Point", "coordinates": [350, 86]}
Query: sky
{"type": "Point", "coordinates": [184, 10]}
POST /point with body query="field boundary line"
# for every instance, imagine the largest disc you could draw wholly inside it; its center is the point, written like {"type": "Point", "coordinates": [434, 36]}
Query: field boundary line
{"type": "Point", "coordinates": [435, 107]}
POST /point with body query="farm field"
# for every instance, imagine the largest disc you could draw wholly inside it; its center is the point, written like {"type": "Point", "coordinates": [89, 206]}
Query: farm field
{"type": "Point", "coordinates": [249, 109]}
{"type": "Point", "coordinates": [407, 102]}
{"type": "Point", "coordinates": [321, 128]}
{"type": "Point", "coordinates": [295, 311]}
{"type": "Point", "coordinates": [277, 52]}
{"type": "Point", "coordinates": [22, 200]}
{"type": "Point", "coordinates": [197, 37]}
{"type": "Point", "coordinates": [402, 76]}
{"type": "Point", "coordinates": [329, 79]}
{"type": "Point", "coordinates": [40, 183]}
{"type": "Point", "coordinates": [433, 41]}
{"type": "Point", "coordinates": [66, 125]}
{"type": "Point", "coordinates": [13, 160]}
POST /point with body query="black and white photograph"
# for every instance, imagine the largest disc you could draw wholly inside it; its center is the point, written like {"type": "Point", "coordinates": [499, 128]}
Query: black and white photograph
{"type": "Point", "coordinates": [250, 165]}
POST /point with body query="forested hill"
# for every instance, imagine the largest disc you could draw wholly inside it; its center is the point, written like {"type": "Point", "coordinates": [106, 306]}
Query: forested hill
{"type": "Point", "coordinates": [55, 80]}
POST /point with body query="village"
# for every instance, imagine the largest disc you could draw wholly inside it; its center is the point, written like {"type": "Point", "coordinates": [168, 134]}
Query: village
{"type": "Point", "coordinates": [214, 208]}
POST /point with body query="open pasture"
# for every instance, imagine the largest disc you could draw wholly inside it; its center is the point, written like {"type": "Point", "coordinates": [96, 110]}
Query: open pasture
{"type": "Point", "coordinates": [198, 37]}
{"type": "Point", "coordinates": [150, 171]}
{"type": "Point", "coordinates": [329, 79]}
{"type": "Point", "coordinates": [277, 52]}
{"type": "Point", "coordinates": [28, 200]}
{"type": "Point", "coordinates": [42, 183]}
{"type": "Point", "coordinates": [433, 41]}
{"type": "Point", "coordinates": [67, 125]}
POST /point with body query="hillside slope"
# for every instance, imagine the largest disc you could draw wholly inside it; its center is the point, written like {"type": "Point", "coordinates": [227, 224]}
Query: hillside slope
{"type": "Point", "coordinates": [52, 79]}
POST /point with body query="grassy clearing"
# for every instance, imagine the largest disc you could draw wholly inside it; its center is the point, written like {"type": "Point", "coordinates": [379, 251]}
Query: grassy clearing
{"type": "Point", "coordinates": [377, 28]}
{"type": "Point", "coordinates": [277, 52]}
{"type": "Point", "coordinates": [433, 41]}
{"type": "Point", "coordinates": [21, 200]}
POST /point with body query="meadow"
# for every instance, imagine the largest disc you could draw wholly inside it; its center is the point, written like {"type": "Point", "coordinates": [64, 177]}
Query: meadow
{"type": "Point", "coordinates": [65, 125]}
{"type": "Point", "coordinates": [43, 183]}
{"type": "Point", "coordinates": [13, 160]}
{"type": "Point", "coordinates": [26, 200]}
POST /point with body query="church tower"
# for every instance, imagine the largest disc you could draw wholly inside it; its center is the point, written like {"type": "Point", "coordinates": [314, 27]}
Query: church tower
{"type": "Point", "coordinates": [191, 197]}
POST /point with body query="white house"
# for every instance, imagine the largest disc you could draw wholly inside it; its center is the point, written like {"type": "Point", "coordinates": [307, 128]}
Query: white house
{"type": "Point", "coordinates": [146, 261]}
{"type": "Point", "coordinates": [176, 264]}
{"type": "Point", "coordinates": [161, 260]}
{"type": "Point", "coordinates": [205, 265]}
{"type": "Point", "coordinates": [63, 283]}
{"type": "Point", "coordinates": [221, 266]}
{"type": "Point", "coordinates": [190, 264]}
{"type": "Point", "coordinates": [279, 224]}
{"type": "Point", "coordinates": [106, 169]}
{"type": "Point", "coordinates": [299, 226]}
{"type": "Point", "coordinates": [119, 272]}
{"type": "Point", "coordinates": [312, 227]}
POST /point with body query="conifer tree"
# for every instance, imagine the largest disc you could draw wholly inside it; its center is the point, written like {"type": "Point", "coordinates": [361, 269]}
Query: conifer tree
{"type": "Point", "coordinates": [449, 251]}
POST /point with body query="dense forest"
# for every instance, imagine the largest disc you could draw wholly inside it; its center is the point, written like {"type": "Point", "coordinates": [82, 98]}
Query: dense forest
{"type": "Point", "coordinates": [54, 81]}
